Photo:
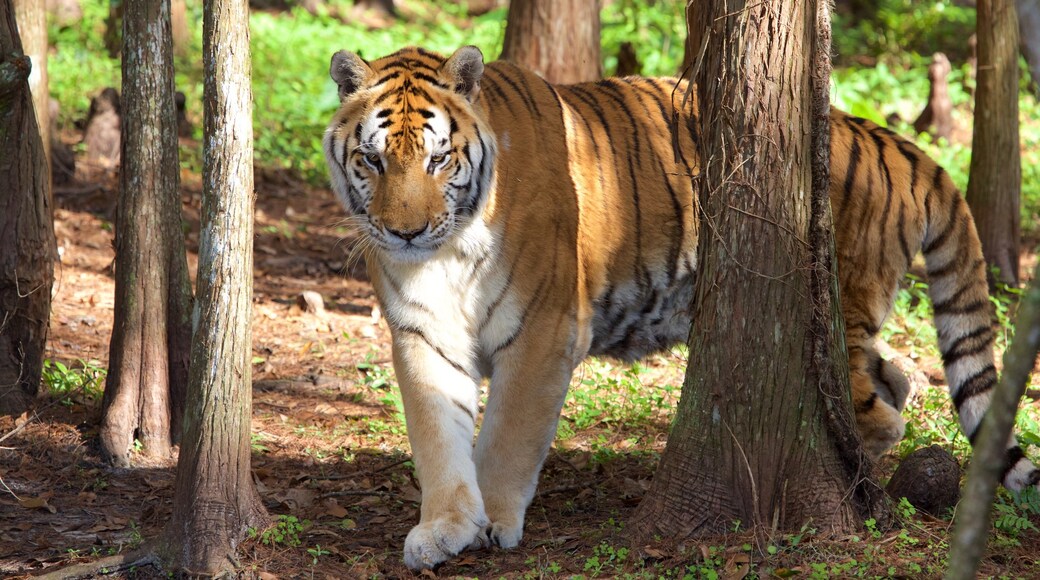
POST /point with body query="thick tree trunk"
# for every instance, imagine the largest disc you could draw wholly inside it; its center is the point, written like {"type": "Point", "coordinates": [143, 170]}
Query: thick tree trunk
{"type": "Point", "coordinates": [558, 39]}
{"type": "Point", "coordinates": [32, 28]}
{"type": "Point", "coordinates": [764, 432]}
{"type": "Point", "coordinates": [26, 231]}
{"type": "Point", "coordinates": [995, 180]}
{"type": "Point", "coordinates": [1029, 28]}
{"type": "Point", "coordinates": [148, 358]}
{"type": "Point", "coordinates": [215, 500]}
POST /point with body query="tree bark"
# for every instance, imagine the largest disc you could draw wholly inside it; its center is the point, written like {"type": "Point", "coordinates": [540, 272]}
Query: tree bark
{"type": "Point", "coordinates": [764, 432]}
{"type": "Point", "coordinates": [215, 500]}
{"type": "Point", "coordinates": [1029, 28]}
{"type": "Point", "coordinates": [995, 180]}
{"type": "Point", "coordinates": [180, 28]}
{"type": "Point", "coordinates": [151, 333]}
{"type": "Point", "coordinates": [26, 231]}
{"type": "Point", "coordinates": [32, 28]}
{"type": "Point", "coordinates": [558, 39]}
{"type": "Point", "coordinates": [990, 454]}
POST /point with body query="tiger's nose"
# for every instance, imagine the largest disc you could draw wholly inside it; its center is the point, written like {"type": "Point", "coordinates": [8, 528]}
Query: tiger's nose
{"type": "Point", "coordinates": [408, 235]}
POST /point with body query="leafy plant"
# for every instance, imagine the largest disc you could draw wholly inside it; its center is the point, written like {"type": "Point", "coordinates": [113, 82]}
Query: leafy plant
{"type": "Point", "coordinates": [65, 383]}
{"type": "Point", "coordinates": [286, 531]}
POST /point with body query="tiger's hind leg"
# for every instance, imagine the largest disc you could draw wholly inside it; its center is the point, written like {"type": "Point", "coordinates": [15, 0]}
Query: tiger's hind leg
{"type": "Point", "coordinates": [879, 393]}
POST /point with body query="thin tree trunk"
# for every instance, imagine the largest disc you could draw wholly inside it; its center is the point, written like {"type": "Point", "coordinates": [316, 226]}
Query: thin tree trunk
{"type": "Point", "coordinates": [995, 180]}
{"type": "Point", "coordinates": [764, 432]}
{"type": "Point", "coordinates": [558, 39]}
{"type": "Point", "coordinates": [32, 28]}
{"type": "Point", "coordinates": [148, 359]}
{"type": "Point", "coordinates": [215, 500]}
{"type": "Point", "coordinates": [26, 231]}
{"type": "Point", "coordinates": [1029, 28]}
{"type": "Point", "coordinates": [990, 453]}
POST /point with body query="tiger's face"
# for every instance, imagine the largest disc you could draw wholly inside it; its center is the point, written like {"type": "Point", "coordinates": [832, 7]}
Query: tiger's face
{"type": "Point", "coordinates": [410, 158]}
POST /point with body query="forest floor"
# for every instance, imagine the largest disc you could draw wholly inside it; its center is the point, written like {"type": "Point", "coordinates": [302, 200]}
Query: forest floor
{"type": "Point", "coordinates": [329, 447]}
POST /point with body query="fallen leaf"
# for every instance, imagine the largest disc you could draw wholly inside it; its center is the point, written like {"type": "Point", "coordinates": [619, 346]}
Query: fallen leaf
{"type": "Point", "coordinates": [429, 573]}
{"type": "Point", "coordinates": [157, 483]}
{"type": "Point", "coordinates": [296, 498]}
{"type": "Point", "coordinates": [580, 460]}
{"type": "Point", "coordinates": [410, 493]}
{"type": "Point", "coordinates": [333, 508]}
{"type": "Point", "coordinates": [37, 503]}
{"type": "Point", "coordinates": [325, 409]}
{"type": "Point", "coordinates": [705, 553]}
{"type": "Point", "coordinates": [654, 553]}
{"type": "Point", "coordinates": [737, 567]}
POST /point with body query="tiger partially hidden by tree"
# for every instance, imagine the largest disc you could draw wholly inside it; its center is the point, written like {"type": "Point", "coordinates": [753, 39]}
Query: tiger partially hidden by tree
{"type": "Point", "coordinates": [513, 227]}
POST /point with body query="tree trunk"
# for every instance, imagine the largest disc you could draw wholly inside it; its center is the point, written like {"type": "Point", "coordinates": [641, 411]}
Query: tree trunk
{"type": "Point", "coordinates": [32, 28]}
{"type": "Point", "coordinates": [181, 29]}
{"type": "Point", "coordinates": [26, 231]}
{"type": "Point", "coordinates": [151, 333]}
{"type": "Point", "coordinates": [1029, 28]}
{"type": "Point", "coordinates": [989, 458]}
{"type": "Point", "coordinates": [558, 39]}
{"type": "Point", "coordinates": [764, 432]}
{"type": "Point", "coordinates": [996, 166]}
{"type": "Point", "coordinates": [215, 500]}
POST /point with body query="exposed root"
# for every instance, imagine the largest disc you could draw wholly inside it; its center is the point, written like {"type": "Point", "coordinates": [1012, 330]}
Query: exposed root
{"type": "Point", "coordinates": [146, 556]}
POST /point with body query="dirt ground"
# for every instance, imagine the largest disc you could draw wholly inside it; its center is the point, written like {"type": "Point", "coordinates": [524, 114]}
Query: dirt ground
{"type": "Point", "coordinates": [328, 444]}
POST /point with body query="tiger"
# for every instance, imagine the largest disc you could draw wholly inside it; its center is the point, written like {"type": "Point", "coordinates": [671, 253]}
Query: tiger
{"type": "Point", "coordinates": [512, 227]}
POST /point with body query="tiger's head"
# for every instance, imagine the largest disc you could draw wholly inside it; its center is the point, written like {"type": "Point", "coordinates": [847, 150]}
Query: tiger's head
{"type": "Point", "coordinates": [410, 154]}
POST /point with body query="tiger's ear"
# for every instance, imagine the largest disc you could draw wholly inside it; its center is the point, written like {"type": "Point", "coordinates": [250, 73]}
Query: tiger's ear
{"type": "Point", "coordinates": [349, 71]}
{"type": "Point", "coordinates": [462, 71]}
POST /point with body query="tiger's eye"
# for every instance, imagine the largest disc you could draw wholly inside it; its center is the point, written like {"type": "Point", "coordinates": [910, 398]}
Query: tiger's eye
{"type": "Point", "coordinates": [372, 159]}
{"type": "Point", "coordinates": [438, 158]}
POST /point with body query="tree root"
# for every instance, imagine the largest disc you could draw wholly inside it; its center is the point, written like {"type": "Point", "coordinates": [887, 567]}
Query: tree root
{"type": "Point", "coordinates": [145, 556]}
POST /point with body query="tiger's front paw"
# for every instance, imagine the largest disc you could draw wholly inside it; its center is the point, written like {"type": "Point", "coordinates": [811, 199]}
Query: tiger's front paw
{"type": "Point", "coordinates": [433, 542]}
{"type": "Point", "coordinates": [501, 534]}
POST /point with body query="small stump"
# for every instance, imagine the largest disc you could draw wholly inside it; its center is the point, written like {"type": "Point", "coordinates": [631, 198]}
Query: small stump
{"type": "Point", "coordinates": [929, 479]}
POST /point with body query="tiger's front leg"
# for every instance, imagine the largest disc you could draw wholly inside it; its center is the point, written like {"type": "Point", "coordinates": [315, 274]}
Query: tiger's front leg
{"type": "Point", "coordinates": [440, 405]}
{"type": "Point", "coordinates": [527, 391]}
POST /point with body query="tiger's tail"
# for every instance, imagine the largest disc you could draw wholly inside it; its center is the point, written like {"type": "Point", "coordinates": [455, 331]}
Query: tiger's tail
{"type": "Point", "coordinates": [960, 297]}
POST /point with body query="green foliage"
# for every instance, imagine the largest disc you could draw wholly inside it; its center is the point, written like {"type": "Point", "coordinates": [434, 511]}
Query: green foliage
{"type": "Point", "coordinates": [316, 553]}
{"type": "Point", "coordinates": [605, 396]}
{"type": "Point", "coordinates": [905, 27]}
{"type": "Point", "coordinates": [286, 531]}
{"type": "Point", "coordinates": [65, 383]}
{"type": "Point", "coordinates": [911, 325]}
{"type": "Point", "coordinates": [380, 380]}
{"type": "Point", "coordinates": [1012, 512]}
{"type": "Point", "coordinates": [656, 29]}
{"type": "Point", "coordinates": [605, 558]}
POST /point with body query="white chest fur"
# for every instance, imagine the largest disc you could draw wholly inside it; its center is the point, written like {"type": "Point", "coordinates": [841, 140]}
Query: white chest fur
{"type": "Point", "coordinates": [458, 298]}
